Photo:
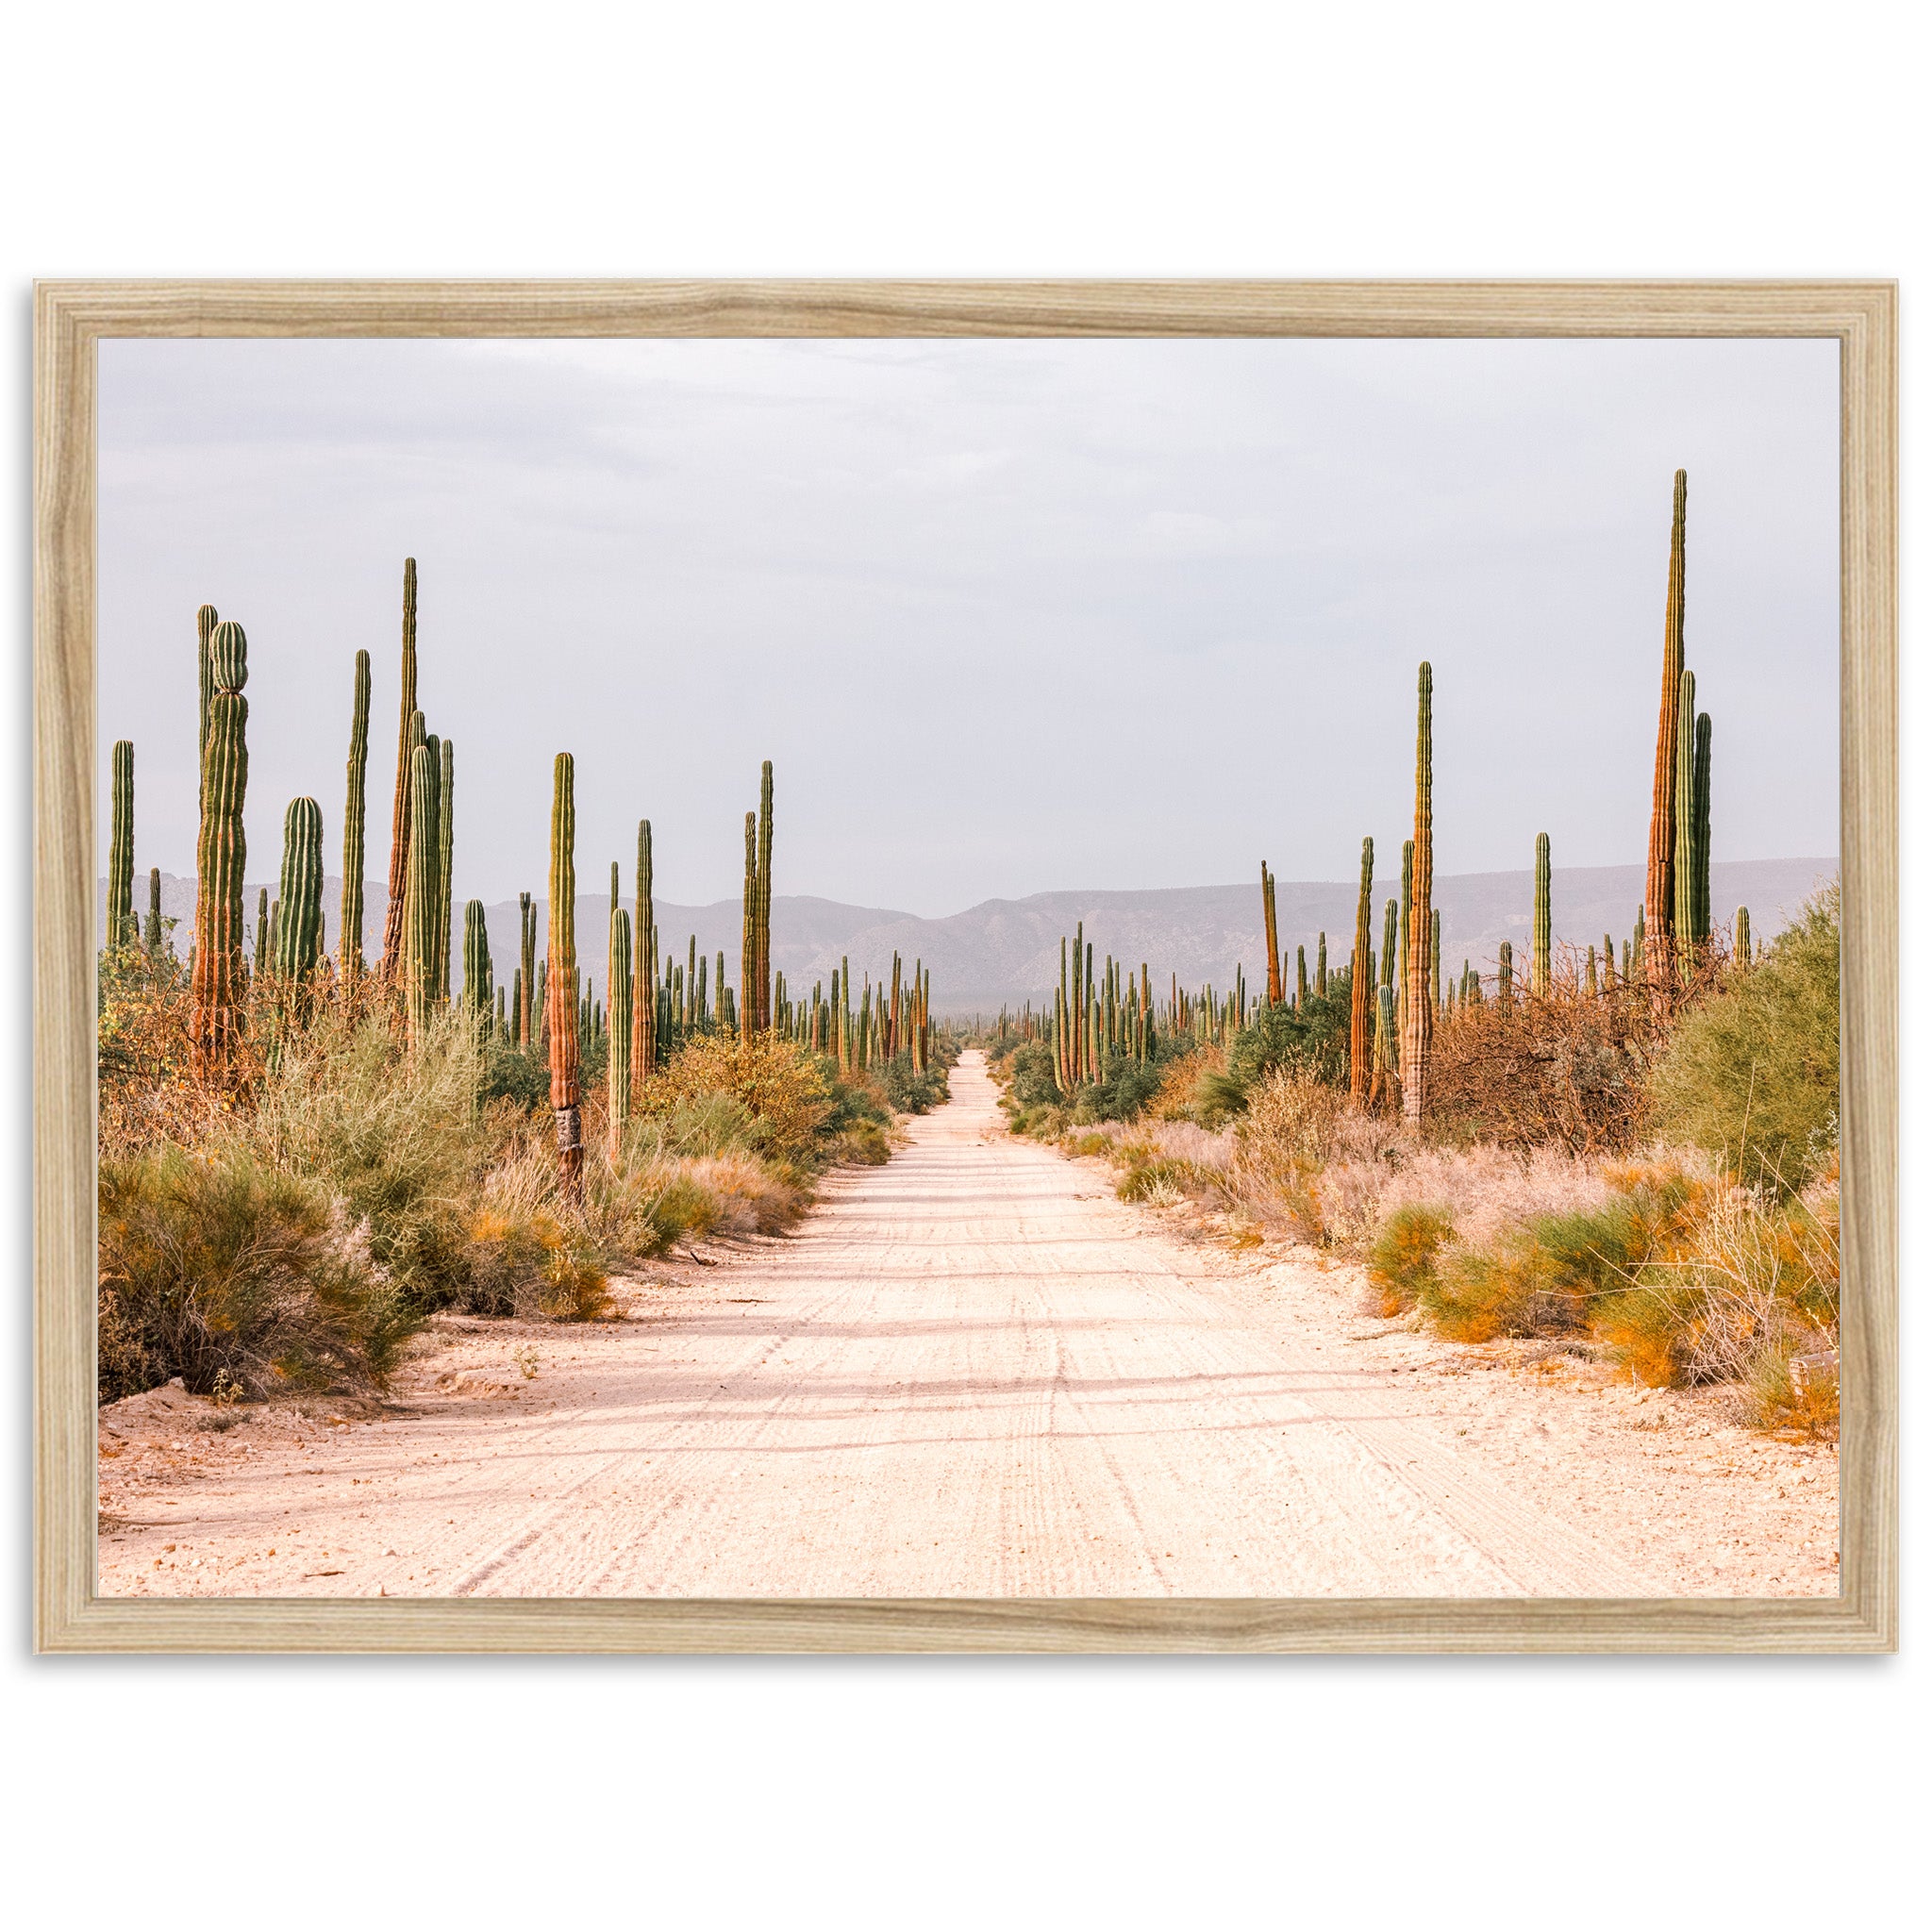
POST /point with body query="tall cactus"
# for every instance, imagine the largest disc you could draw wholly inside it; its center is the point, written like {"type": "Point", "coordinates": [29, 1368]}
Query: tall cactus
{"type": "Point", "coordinates": [155, 929]}
{"type": "Point", "coordinates": [445, 850]}
{"type": "Point", "coordinates": [1700, 831]}
{"type": "Point", "coordinates": [121, 929]}
{"type": "Point", "coordinates": [1419, 1023]}
{"type": "Point", "coordinates": [478, 972]}
{"type": "Point", "coordinates": [748, 930]}
{"type": "Point", "coordinates": [1361, 984]}
{"type": "Point", "coordinates": [1321, 965]}
{"type": "Point", "coordinates": [1684, 864]}
{"type": "Point", "coordinates": [565, 1101]}
{"type": "Point", "coordinates": [1661, 882]}
{"type": "Point", "coordinates": [264, 959]}
{"type": "Point", "coordinates": [1505, 975]}
{"type": "Point", "coordinates": [392, 931]}
{"type": "Point", "coordinates": [354, 827]}
{"type": "Point", "coordinates": [221, 854]}
{"type": "Point", "coordinates": [298, 932]}
{"type": "Point", "coordinates": [526, 955]}
{"type": "Point", "coordinates": [617, 1060]}
{"type": "Point", "coordinates": [762, 988]}
{"type": "Point", "coordinates": [1273, 939]}
{"type": "Point", "coordinates": [420, 889]}
{"type": "Point", "coordinates": [1740, 937]}
{"type": "Point", "coordinates": [205, 620]}
{"type": "Point", "coordinates": [1540, 922]}
{"type": "Point", "coordinates": [642, 1042]}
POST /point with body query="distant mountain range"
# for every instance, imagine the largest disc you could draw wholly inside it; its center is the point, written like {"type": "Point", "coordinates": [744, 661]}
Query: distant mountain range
{"type": "Point", "coordinates": [1003, 951]}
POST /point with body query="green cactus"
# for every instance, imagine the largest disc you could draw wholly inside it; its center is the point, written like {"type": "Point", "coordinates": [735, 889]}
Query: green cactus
{"type": "Point", "coordinates": [156, 933]}
{"type": "Point", "coordinates": [1505, 974]}
{"type": "Point", "coordinates": [1540, 922]}
{"type": "Point", "coordinates": [264, 958]}
{"type": "Point", "coordinates": [1362, 990]}
{"type": "Point", "coordinates": [759, 991]}
{"type": "Point", "coordinates": [446, 849]}
{"type": "Point", "coordinates": [205, 620]}
{"type": "Point", "coordinates": [617, 1061]}
{"type": "Point", "coordinates": [642, 1042]}
{"type": "Point", "coordinates": [1301, 977]}
{"type": "Point", "coordinates": [565, 1101]}
{"type": "Point", "coordinates": [1419, 1021]}
{"type": "Point", "coordinates": [420, 884]}
{"type": "Point", "coordinates": [354, 827]}
{"type": "Point", "coordinates": [121, 929]}
{"type": "Point", "coordinates": [1321, 965]}
{"type": "Point", "coordinates": [478, 972]}
{"type": "Point", "coordinates": [526, 975]}
{"type": "Point", "coordinates": [298, 929]}
{"type": "Point", "coordinates": [1668, 786]}
{"type": "Point", "coordinates": [219, 858]}
{"type": "Point", "coordinates": [1700, 832]}
{"type": "Point", "coordinates": [406, 740]}
{"type": "Point", "coordinates": [1276, 989]}
{"type": "Point", "coordinates": [1683, 864]}
{"type": "Point", "coordinates": [1741, 937]}
{"type": "Point", "coordinates": [1590, 973]}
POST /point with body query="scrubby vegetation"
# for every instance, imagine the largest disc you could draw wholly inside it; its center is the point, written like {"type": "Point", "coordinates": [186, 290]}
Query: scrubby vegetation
{"type": "Point", "coordinates": [305, 1156]}
{"type": "Point", "coordinates": [1655, 1215]}
{"type": "Point", "coordinates": [290, 1230]}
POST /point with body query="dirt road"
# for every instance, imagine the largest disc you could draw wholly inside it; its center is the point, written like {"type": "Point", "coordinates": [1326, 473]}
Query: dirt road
{"type": "Point", "coordinates": [971, 1373]}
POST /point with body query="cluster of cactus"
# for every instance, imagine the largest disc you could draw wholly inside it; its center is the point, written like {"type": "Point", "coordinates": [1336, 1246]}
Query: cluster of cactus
{"type": "Point", "coordinates": [1677, 893]}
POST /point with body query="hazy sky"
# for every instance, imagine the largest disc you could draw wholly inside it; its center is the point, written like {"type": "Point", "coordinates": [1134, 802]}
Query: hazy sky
{"type": "Point", "coordinates": [1008, 616]}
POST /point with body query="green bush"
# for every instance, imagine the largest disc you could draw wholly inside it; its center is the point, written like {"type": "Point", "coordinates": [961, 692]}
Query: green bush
{"type": "Point", "coordinates": [510, 1072]}
{"type": "Point", "coordinates": [398, 1135]}
{"type": "Point", "coordinates": [229, 1273]}
{"type": "Point", "coordinates": [910, 1091]}
{"type": "Point", "coordinates": [1751, 1075]}
{"type": "Point", "coordinates": [1311, 1038]}
{"type": "Point", "coordinates": [1401, 1260]}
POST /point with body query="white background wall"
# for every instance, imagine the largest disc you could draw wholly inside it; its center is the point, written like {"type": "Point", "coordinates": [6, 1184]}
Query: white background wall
{"type": "Point", "coordinates": [1676, 138]}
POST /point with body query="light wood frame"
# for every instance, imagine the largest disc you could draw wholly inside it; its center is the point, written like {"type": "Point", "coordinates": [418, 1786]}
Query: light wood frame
{"type": "Point", "coordinates": [71, 317]}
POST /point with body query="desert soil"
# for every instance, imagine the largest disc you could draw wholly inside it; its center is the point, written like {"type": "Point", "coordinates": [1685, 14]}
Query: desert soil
{"type": "Point", "coordinates": [971, 1373]}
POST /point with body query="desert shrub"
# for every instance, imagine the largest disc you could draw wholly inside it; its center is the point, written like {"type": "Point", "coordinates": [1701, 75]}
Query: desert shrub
{"type": "Point", "coordinates": [1402, 1262]}
{"type": "Point", "coordinates": [1174, 1099]}
{"type": "Point", "coordinates": [1565, 1071]}
{"type": "Point", "coordinates": [1751, 1073]}
{"type": "Point", "coordinates": [1161, 1178]}
{"type": "Point", "coordinates": [1739, 1287]}
{"type": "Point", "coordinates": [222, 1269]}
{"type": "Point", "coordinates": [398, 1135]}
{"type": "Point", "coordinates": [1292, 1115]}
{"type": "Point", "coordinates": [1311, 1038]}
{"type": "Point", "coordinates": [784, 1092]}
{"type": "Point", "coordinates": [908, 1090]}
{"type": "Point", "coordinates": [513, 1074]}
{"type": "Point", "coordinates": [1510, 1286]}
{"type": "Point", "coordinates": [865, 1143]}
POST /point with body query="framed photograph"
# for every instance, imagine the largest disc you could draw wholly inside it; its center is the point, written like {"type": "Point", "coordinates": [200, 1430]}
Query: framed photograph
{"type": "Point", "coordinates": [862, 966]}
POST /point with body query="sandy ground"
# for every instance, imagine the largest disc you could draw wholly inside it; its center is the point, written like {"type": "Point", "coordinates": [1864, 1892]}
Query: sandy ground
{"type": "Point", "coordinates": [972, 1372]}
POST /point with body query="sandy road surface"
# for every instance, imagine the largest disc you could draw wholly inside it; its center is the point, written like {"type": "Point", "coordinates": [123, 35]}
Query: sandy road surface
{"type": "Point", "coordinates": [972, 1372]}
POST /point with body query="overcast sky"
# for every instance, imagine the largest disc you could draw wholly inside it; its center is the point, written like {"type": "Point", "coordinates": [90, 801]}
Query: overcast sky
{"type": "Point", "coordinates": [1008, 616]}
